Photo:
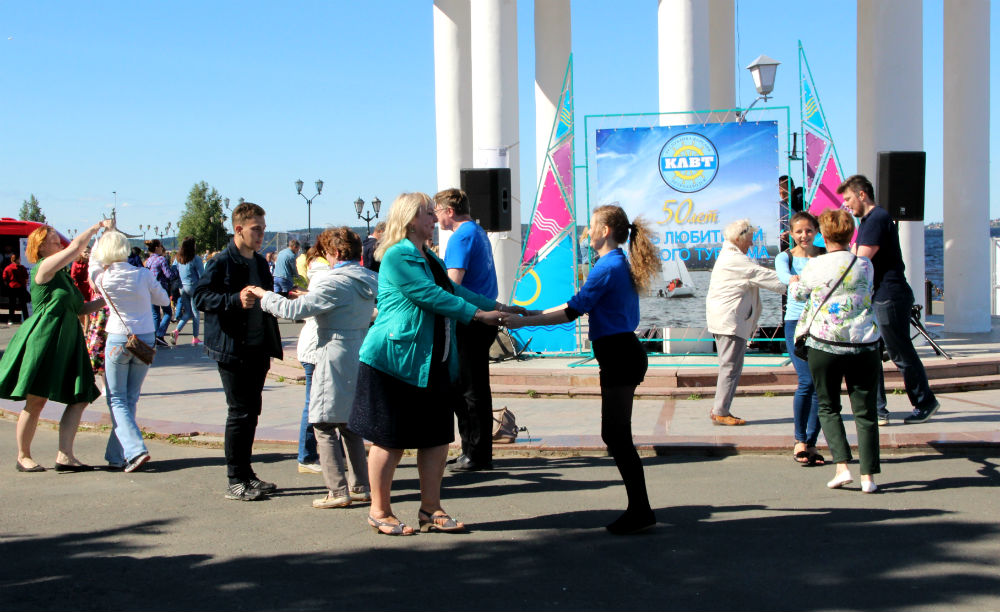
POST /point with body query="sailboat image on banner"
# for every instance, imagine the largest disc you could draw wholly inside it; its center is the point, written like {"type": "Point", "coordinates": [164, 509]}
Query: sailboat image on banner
{"type": "Point", "coordinates": [677, 281]}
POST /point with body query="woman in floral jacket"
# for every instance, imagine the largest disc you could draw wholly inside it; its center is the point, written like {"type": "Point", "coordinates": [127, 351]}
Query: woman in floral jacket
{"type": "Point", "coordinates": [842, 340]}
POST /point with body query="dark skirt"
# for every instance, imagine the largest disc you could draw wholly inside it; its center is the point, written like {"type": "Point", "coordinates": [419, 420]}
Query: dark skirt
{"type": "Point", "coordinates": [393, 414]}
{"type": "Point", "coordinates": [622, 360]}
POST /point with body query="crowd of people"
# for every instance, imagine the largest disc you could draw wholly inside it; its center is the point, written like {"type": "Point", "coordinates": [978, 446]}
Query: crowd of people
{"type": "Point", "coordinates": [396, 340]}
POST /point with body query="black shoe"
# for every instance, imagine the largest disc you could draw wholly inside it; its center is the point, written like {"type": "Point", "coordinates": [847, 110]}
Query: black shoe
{"type": "Point", "coordinates": [36, 468]}
{"type": "Point", "coordinates": [161, 342]}
{"type": "Point", "coordinates": [242, 491]}
{"type": "Point", "coordinates": [454, 460]}
{"type": "Point", "coordinates": [632, 522]}
{"type": "Point", "coordinates": [69, 467]}
{"type": "Point", "coordinates": [464, 464]}
{"type": "Point", "coordinates": [920, 415]}
{"type": "Point", "coordinates": [262, 486]}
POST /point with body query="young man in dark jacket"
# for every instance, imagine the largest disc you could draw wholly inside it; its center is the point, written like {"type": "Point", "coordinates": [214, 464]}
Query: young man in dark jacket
{"type": "Point", "coordinates": [242, 338]}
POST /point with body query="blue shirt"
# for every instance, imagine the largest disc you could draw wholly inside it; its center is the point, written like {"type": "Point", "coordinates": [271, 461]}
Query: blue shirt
{"type": "Point", "coordinates": [609, 297]}
{"type": "Point", "coordinates": [793, 309]}
{"type": "Point", "coordinates": [469, 249]}
{"type": "Point", "coordinates": [877, 229]}
{"type": "Point", "coordinates": [284, 267]}
{"type": "Point", "coordinates": [190, 273]}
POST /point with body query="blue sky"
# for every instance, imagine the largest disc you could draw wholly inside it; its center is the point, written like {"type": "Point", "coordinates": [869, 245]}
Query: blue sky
{"type": "Point", "coordinates": [148, 98]}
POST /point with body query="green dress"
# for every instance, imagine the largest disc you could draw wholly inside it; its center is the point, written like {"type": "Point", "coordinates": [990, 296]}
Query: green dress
{"type": "Point", "coordinates": [48, 356]}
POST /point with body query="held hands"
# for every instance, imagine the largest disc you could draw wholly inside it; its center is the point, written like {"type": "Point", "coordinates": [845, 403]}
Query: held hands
{"type": "Point", "coordinates": [493, 317]}
{"type": "Point", "coordinates": [248, 298]}
{"type": "Point", "coordinates": [257, 292]}
{"type": "Point", "coordinates": [518, 310]}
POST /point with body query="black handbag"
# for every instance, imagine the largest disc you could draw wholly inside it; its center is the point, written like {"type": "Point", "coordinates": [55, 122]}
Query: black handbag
{"type": "Point", "coordinates": [801, 350]}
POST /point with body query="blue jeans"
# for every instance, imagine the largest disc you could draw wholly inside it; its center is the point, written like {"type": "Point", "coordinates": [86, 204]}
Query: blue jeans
{"type": "Point", "coordinates": [161, 322]}
{"type": "Point", "coordinates": [893, 317]}
{"type": "Point", "coordinates": [185, 313]}
{"type": "Point", "coordinates": [805, 406]}
{"type": "Point", "coordinates": [283, 285]}
{"type": "Point", "coordinates": [307, 438]}
{"type": "Point", "coordinates": [123, 374]}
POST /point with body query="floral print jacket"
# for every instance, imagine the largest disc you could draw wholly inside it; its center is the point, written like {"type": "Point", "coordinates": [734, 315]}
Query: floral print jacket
{"type": "Point", "coordinates": [847, 315]}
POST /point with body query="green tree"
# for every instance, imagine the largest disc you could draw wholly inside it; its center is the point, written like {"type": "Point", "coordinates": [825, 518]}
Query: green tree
{"type": "Point", "coordinates": [31, 211]}
{"type": "Point", "coordinates": [203, 218]}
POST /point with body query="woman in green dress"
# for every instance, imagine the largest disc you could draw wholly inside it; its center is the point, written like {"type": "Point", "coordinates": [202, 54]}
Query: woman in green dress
{"type": "Point", "coordinates": [47, 359]}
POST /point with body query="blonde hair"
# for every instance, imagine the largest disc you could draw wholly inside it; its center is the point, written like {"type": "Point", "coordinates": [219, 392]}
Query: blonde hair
{"type": "Point", "coordinates": [404, 209]}
{"type": "Point", "coordinates": [35, 240]}
{"type": "Point", "coordinates": [112, 248]}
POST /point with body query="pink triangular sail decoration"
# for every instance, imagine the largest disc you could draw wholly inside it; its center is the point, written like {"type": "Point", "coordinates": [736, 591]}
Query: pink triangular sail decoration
{"type": "Point", "coordinates": [551, 217]}
{"type": "Point", "coordinates": [823, 171]}
{"type": "Point", "coordinates": [562, 158]}
{"type": "Point", "coordinates": [826, 193]}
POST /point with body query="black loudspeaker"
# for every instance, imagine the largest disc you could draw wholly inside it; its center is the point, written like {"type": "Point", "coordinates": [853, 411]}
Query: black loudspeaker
{"type": "Point", "coordinates": [489, 196]}
{"type": "Point", "coordinates": [900, 187]}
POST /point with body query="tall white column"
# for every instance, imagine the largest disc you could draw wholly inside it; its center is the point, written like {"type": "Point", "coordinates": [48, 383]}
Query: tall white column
{"type": "Point", "coordinates": [966, 165]}
{"type": "Point", "coordinates": [891, 103]}
{"type": "Point", "coordinates": [452, 94]}
{"type": "Point", "coordinates": [721, 54]}
{"type": "Point", "coordinates": [553, 35]}
{"type": "Point", "coordinates": [495, 118]}
{"type": "Point", "coordinates": [683, 58]}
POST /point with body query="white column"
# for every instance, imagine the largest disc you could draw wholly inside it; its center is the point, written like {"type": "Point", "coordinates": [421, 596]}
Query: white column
{"type": "Point", "coordinates": [552, 48]}
{"type": "Point", "coordinates": [966, 165]}
{"type": "Point", "coordinates": [683, 58]}
{"type": "Point", "coordinates": [891, 103]}
{"type": "Point", "coordinates": [495, 118]}
{"type": "Point", "coordinates": [722, 54]}
{"type": "Point", "coordinates": [452, 94]}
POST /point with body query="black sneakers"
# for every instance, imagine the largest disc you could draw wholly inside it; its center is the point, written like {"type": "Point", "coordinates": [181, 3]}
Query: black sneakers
{"type": "Point", "coordinates": [464, 464]}
{"type": "Point", "coordinates": [136, 462]}
{"type": "Point", "coordinates": [920, 415]}
{"type": "Point", "coordinates": [243, 491]}
{"type": "Point", "coordinates": [262, 486]}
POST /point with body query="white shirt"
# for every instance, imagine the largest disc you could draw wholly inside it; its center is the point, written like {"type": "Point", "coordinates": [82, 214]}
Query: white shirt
{"type": "Point", "coordinates": [133, 291]}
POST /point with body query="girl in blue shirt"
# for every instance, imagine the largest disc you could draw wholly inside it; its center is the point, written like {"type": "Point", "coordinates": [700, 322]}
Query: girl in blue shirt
{"type": "Point", "coordinates": [611, 298]}
{"type": "Point", "coordinates": [805, 406]}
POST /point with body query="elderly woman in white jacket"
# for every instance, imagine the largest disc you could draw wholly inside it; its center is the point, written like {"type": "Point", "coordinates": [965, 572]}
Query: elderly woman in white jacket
{"type": "Point", "coordinates": [733, 308]}
{"type": "Point", "coordinates": [341, 300]}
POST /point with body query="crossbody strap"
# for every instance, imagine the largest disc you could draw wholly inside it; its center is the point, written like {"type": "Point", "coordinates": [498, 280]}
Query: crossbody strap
{"type": "Point", "coordinates": [107, 298]}
{"type": "Point", "coordinates": [837, 284]}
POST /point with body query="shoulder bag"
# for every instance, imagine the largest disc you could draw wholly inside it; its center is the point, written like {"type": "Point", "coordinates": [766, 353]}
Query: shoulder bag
{"type": "Point", "coordinates": [801, 350]}
{"type": "Point", "coordinates": [133, 344]}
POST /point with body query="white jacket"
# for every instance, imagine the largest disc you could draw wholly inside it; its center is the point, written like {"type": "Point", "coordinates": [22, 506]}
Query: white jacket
{"type": "Point", "coordinates": [733, 306]}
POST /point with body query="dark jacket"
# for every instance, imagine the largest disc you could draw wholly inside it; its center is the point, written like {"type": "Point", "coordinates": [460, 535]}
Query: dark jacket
{"type": "Point", "coordinates": [368, 254]}
{"type": "Point", "coordinates": [217, 294]}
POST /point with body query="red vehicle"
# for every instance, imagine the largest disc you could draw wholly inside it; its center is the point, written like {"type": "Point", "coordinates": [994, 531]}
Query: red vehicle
{"type": "Point", "coordinates": [13, 239]}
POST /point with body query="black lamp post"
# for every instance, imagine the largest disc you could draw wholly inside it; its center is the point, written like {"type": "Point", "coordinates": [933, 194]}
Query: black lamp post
{"type": "Point", "coordinates": [309, 203]}
{"type": "Point", "coordinates": [359, 205]}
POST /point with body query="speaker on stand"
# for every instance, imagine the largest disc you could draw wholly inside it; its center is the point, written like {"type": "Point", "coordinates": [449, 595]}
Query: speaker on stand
{"type": "Point", "coordinates": [900, 186]}
{"type": "Point", "coordinates": [489, 197]}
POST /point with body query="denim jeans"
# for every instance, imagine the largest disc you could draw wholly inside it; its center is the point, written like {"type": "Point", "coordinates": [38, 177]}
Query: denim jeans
{"type": "Point", "coordinates": [185, 313]}
{"type": "Point", "coordinates": [307, 436]}
{"type": "Point", "coordinates": [893, 319]}
{"type": "Point", "coordinates": [805, 405]}
{"type": "Point", "coordinates": [124, 373]}
{"type": "Point", "coordinates": [161, 321]}
{"type": "Point", "coordinates": [282, 285]}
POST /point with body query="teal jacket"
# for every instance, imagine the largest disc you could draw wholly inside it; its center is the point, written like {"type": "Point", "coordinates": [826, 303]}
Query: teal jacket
{"type": "Point", "coordinates": [401, 340]}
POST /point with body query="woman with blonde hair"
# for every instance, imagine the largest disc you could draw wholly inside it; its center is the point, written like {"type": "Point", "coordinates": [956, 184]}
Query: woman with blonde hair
{"type": "Point", "coordinates": [409, 362]}
{"type": "Point", "coordinates": [611, 297]}
{"type": "Point", "coordinates": [131, 294]}
{"type": "Point", "coordinates": [47, 358]}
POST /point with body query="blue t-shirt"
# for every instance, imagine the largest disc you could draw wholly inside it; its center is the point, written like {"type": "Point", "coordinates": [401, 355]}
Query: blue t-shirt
{"type": "Point", "coordinates": [877, 229]}
{"type": "Point", "coordinates": [609, 297]}
{"type": "Point", "coordinates": [793, 309]}
{"type": "Point", "coordinates": [284, 267]}
{"type": "Point", "coordinates": [469, 249]}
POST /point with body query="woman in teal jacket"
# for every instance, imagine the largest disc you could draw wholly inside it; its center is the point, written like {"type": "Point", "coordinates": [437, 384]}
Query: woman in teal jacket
{"type": "Point", "coordinates": [405, 396]}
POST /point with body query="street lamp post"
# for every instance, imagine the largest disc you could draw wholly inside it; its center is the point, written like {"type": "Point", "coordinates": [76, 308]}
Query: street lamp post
{"type": "Point", "coordinates": [763, 70]}
{"type": "Point", "coordinates": [309, 203]}
{"type": "Point", "coordinates": [359, 205]}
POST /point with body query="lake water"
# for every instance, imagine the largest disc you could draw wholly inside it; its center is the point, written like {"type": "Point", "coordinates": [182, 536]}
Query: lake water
{"type": "Point", "coordinates": [690, 312]}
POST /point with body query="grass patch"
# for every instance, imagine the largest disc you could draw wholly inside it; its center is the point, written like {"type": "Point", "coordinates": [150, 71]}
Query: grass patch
{"type": "Point", "coordinates": [898, 391]}
{"type": "Point", "coordinates": [769, 394]}
{"type": "Point", "coordinates": [531, 393]}
{"type": "Point", "coordinates": [694, 396]}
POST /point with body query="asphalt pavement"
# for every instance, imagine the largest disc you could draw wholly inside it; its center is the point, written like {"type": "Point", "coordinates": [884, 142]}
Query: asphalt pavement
{"type": "Point", "coordinates": [743, 532]}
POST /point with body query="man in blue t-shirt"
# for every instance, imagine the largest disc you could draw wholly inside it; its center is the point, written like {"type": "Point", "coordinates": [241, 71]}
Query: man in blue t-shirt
{"type": "Point", "coordinates": [284, 268]}
{"type": "Point", "coordinates": [469, 259]}
{"type": "Point", "coordinates": [892, 301]}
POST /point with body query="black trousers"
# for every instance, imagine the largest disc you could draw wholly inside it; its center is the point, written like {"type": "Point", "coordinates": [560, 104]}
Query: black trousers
{"type": "Point", "coordinates": [17, 300]}
{"type": "Point", "coordinates": [475, 411]}
{"type": "Point", "coordinates": [243, 382]}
